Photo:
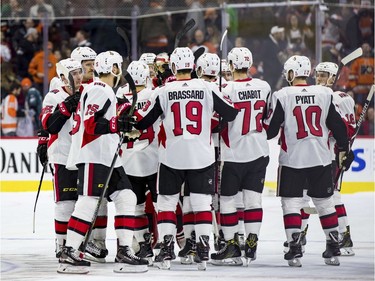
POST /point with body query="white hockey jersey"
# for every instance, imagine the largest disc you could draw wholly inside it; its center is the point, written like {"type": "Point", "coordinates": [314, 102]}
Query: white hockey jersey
{"type": "Point", "coordinates": [245, 139]}
{"type": "Point", "coordinates": [140, 158]}
{"type": "Point", "coordinates": [58, 144]}
{"type": "Point", "coordinates": [345, 106]}
{"type": "Point", "coordinates": [186, 108]}
{"type": "Point", "coordinates": [97, 100]}
{"type": "Point", "coordinates": [304, 112]}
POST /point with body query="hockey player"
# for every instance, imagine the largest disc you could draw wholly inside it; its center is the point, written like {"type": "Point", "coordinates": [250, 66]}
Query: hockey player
{"type": "Point", "coordinates": [163, 73]}
{"type": "Point", "coordinates": [96, 248]}
{"type": "Point", "coordinates": [149, 59]}
{"type": "Point", "coordinates": [207, 68]}
{"type": "Point", "coordinates": [325, 75]}
{"type": "Point", "coordinates": [226, 74]}
{"type": "Point", "coordinates": [244, 151]}
{"type": "Point", "coordinates": [186, 107]}
{"type": "Point", "coordinates": [95, 141]}
{"type": "Point", "coordinates": [56, 117]}
{"type": "Point", "coordinates": [140, 162]}
{"type": "Point", "coordinates": [306, 114]}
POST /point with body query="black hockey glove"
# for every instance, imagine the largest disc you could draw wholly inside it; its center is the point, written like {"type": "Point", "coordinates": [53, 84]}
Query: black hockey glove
{"type": "Point", "coordinates": [125, 123]}
{"type": "Point", "coordinates": [344, 159]}
{"type": "Point", "coordinates": [70, 103]}
{"type": "Point", "coordinates": [43, 138]}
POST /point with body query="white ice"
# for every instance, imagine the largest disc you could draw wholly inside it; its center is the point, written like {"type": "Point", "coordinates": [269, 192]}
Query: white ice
{"type": "Point", "coordinates": [30, 256]}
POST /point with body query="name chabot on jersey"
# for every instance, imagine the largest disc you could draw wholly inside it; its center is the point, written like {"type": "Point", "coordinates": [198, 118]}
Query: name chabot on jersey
{"type": "Point", "coordinates": [186, 94]}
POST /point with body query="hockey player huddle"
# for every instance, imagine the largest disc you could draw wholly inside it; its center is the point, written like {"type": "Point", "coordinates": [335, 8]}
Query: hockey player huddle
{"type": "Point", "coordinates": [190, 141]}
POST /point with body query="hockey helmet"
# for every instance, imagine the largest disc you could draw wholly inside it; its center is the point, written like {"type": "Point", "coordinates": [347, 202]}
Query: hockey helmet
{"type": "Point", "coordinates": [104, 64]}
{"type": "Point", "coordinates": [139, 71]}
{"type": "Point", "coordinates": [329, 67]}
{"type": "Point", "coordinates": [240, 58]}
{"type": "Point", "coordinates": [83, 53]}
{"type": "Point", "coordinates": [181, 58]}
{"type": "Point", "coordinates": [300, 65]}
{"type": "Point", "coordinates": [148, 58]}
{"type": "Point", "coordinates": [65, 66]}
{"type": "Point", "coordinates": [208, 64]}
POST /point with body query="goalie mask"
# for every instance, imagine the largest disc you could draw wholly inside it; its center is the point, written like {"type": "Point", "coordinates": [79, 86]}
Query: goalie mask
{"type": "Point", "coordinates": [140, 72]}
{"type": "Point", "coordinates": [300, 65]}
{"type": "Point", "coordinates": [240, 58]}
{"type": "Point", "coordinates": [208, 64]}
{"type": "Point", "coordinates": [105, 61]}
{"type": "Point", "coordinates": [181, 58]}
{"type": "Point", "coordinates": [83, 53]}
{"type": "Point", "coordinates": [64, 67]}
{"type": "Point", "coordinates": [325, 73]}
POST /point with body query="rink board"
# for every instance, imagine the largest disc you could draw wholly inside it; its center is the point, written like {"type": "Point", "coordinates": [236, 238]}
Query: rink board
{"type": "Point", "coordinates": [21, 170]}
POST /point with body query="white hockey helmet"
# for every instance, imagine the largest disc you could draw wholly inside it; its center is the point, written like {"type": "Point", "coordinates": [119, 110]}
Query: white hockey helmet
{"type": "Point", "coordinates": [65, 66]}
{"type": "Point", "coordinates": [240, 58]}
{"type": "Point", "coordinates": [181, 58]}
{"type": "Point", "coordinates": [83, 53]}
{"type": "Point", "coordinates": [208, 64]}
{"type": "Point", "coordinates": [148, 58]}
{"type": "Point", "coordinates": [224, 66]}
{"type": "Point", "coordinates": [329, 67]}
{"type": "Point", "coordinates": [139, 71]}
{"type": "Point", "coordinates": [104, 64]}
{"type": "Point", "coordinates": [300, 65]}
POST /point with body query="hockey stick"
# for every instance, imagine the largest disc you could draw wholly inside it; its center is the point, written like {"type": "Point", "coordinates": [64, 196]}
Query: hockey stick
{"type": "Point", "coordinates": [37, 194]}
{"type": "Point", "coordinates": [344, 61]}
{"type": "Point", "coordinates": [121, 31]}
{"type": "Point", "coordinates": [129, 79]}
{"type": "Point", "coordinates": [340, 172]}
{"type": "Point", "coordinates": [189, 25]}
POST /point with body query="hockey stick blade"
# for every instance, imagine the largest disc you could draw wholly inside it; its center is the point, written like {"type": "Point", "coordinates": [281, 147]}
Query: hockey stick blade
{"type": "Point", "coordinates": [222, 39]}
{"type": "Point", "coordinates": [352, 56]}
{"type": "Point", "coordinates": [121, 31]}
{"type": "Point", "coordinates": [132, 87]}
{"type": "Point", "coordinates": [310, 210]}
{"type": "Point", "coordinates": [189, 25]}
{"type": "Point", "coordinates": [200, 51]}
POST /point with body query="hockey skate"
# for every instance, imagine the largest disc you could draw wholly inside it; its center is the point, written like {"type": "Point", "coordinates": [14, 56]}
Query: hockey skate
{"type": "Point", "coordinates": [96, 251]}
{"type": "Point", "coordinates": [127, 262]}
{"type": "Point", "coordinates": [219, 241]}
{"type": "Point", "coordinates": [346, 243]}
{"type": "Point", "coordinates": [303, 241]}
{"type": "Point", "coordinates": [295, 251]}
{"type": "Point", "coordinates": [241, 241]}
{"type": "Point", "coordinates": [145, 249]}
{"type": "Point", "coordinates": [188, 252]}
{"type": "Point", "coordinates": [251, 244]}
{"type": "Point", "coordinates": [203, 249]}
{"type": "Point", "coordinates": [71, 262]}
{"type": "Point", "coordinates": [230, 254]}
{"type": "Point", "coordinates": [332, 249]}
{"type": "Point", "coordinates": [166, 254]}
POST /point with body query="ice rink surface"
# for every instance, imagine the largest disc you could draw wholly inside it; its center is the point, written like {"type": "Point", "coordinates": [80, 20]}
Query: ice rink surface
{"type": "Point", "coordinates": [30, 256]}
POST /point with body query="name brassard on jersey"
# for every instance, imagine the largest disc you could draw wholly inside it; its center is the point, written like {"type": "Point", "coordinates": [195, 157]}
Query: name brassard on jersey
{"type": "Point", "coordinates": [186, 94]}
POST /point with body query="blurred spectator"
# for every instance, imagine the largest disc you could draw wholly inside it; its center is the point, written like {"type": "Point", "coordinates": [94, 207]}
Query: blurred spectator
{"type": "Point", "coordinates": [274, 56]}
{"type": "Point", "coordinates": [40, 9]}
{"type": "Point", "coordinates": [330, 35]}
{"type": "Point", "coordinates": [26, 50]}
{"type": "Point", "coordinates": [81, 39]}
{"type": "Point", "coordinates": [155, 32]}
{"type": "Point", "coordinates": [296, 34]}
{"type": "Point", "coordinates": [362, 74]}
{"type": "Point", "coordinates": [199, 40]}
{"type": "Point", "coordinates": [211, 17]}
{"type": "Point", "coordinates": [5, 53]}
{"type": "Point", "coordinates": [21, 31]}
{"type": "Point", "coordinates": [367, 127]}
{"type": "Point", "coordinates": [14, 11]}
{"type": "Point", "coordinates": [33, 102]}
{"type": "Point", "coordinates": [9, 110]}
{"type": "Point", "coordinates": [194, 13]}
{"type": "Point", "coordinates": [36, 67]}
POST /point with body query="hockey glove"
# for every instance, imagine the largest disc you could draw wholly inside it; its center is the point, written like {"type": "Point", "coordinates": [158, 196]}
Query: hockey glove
{"type": "Point", "coordinates": [69, 105]}
{"type": "Point", "coordinates": [122, 123]}
{"type": "Point", "coordinates": [344, 159]}
{"type": "Point", "coordinates": [132, 136]}
{"type": "Point", "coordinates": [43, 138]}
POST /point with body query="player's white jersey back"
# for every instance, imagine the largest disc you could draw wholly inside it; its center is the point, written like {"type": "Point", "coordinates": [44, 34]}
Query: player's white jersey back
{"type": "Point", "coordinates": [245, 138]}
{"type": "Point", "coordinates": [304, 137]}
